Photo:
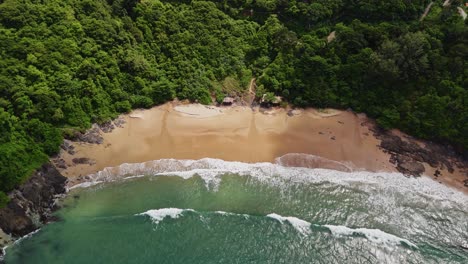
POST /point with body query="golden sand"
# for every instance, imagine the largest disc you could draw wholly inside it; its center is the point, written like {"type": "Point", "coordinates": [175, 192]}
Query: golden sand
{"type": "Point", "coordinates": [237, 134]}
{"type": "Point", "coordinates": [232, 134]}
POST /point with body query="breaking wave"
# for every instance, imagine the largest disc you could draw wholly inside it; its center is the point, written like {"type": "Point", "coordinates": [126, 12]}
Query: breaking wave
{"type": "Point", "coordinates": [375, 235]}
{"type": "Point", "coordinates": [390, 198]}
{"type": "Point", "coordinates": [212, 170]}
{"type": "Point", "coordinates": [159, 214]}
{"type": "Point", "coordinates": [300, 225]}
{"type": "Point", "coordinates": [303, 227]}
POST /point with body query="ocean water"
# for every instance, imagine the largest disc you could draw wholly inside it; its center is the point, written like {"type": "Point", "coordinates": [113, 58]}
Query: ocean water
{"type": "Point", "coordinates": [212, 211]}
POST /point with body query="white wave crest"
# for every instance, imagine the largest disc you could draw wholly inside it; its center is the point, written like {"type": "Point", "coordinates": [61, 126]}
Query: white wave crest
{"type": "Point", "coordinates": [17, 241]}
{"type": "Point", "coordinates": [159, 214]}
{"type": "Point", "coordinates": [211, 171]}
{"type": "Point", "coordinates": [374, 235]}
{"type": "Point", "coordinates": [85, 185]}
{"type": "Point", "coordinates": [231, 214]}
{"type": "Point", "coordinates": [300, 225]}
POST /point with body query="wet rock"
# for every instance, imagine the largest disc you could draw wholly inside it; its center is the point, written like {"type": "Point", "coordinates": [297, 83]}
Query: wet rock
{"type": "Point", "coordinates": [32, 203]}
{"type": "Point", "coordinates": [411, 168]}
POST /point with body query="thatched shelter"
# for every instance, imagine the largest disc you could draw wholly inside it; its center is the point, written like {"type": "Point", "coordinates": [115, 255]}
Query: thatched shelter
{"type": "Point", "coordinates": [228, 101]}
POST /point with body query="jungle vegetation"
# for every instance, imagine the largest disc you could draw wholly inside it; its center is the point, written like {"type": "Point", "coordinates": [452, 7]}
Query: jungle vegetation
{"type": "Point", "coordinates": [65, 64]}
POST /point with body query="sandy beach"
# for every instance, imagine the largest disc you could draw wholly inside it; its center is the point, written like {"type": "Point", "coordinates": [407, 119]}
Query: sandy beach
{"type": "Point", "coordinates": [325, 138]}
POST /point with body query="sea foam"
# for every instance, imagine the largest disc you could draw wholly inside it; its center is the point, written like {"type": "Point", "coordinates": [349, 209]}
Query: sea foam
{"type": "Point", "coordinates": [212, 170]}
{"type": "Point", "coordinates": [374, 235]}
{"type": "Point", "coordinates": [387, 196]}
{"type": "Point", "coordinates": [159, 214]}
{"type": "Point", "coordinates": [300, 225]}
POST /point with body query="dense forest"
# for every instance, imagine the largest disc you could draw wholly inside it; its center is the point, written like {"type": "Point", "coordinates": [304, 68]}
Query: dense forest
{"type": "Point", "coordinates": [65, 64]}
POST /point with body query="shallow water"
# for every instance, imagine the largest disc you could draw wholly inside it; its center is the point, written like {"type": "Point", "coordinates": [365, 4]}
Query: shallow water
{"type": "Point", "coordinates": [231, 212]}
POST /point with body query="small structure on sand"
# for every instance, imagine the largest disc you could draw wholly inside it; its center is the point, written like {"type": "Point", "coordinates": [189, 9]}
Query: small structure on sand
{"type": "Point", "coordinates": [228, 101]}
{"type": "Point", "coordinates": [270, 100]}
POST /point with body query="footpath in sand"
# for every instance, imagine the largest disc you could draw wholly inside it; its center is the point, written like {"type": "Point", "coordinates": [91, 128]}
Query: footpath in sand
{"type": "Point", "coordinates": [337, 139]}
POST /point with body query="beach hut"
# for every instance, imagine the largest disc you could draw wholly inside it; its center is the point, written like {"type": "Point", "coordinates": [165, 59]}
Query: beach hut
{"type": "Point", "coordinates": [228, 101]}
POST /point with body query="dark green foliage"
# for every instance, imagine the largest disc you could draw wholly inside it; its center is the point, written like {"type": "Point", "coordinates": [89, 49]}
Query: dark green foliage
{"type": "Point", "coordinates": [67, 64]}
{"type": "Point", "coordinates": [3, 199]}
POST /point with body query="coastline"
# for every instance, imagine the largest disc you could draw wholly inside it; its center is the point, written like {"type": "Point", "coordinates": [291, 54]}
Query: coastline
{"type": "Point", "coordinates": [310, 138]}
{"type": "Point", "coordinates": [31, 205]}
{"type": "Point", "coordinates": [328, 138]}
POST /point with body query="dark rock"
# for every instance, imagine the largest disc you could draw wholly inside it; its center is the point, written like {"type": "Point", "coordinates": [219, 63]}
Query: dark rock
{"type": "Point", "coordinates": [68, 147]}
{"type": "Point", "coordinates": [80, 160]}
{"type": "Point", "coordinates": [119, 122]}
{"type": "Point", "coordinates": [32, 203]}
{"type": "Point", "coordinates": [333, 138]}
{"type": "Point", "coordinates": [60, 163]}
{"type": "Point", "coordinates": [107, 127]}
{"type": "Point", "coordinates": [407, 155]}
{"type": "Point", "coordinates": [411, 168]}
{"type": "Point", "coordinates": [52, 218]}
{"type": "Point", "coordinates": [83, 161]}
{"type": "Point", "coordinates": [92, 136]}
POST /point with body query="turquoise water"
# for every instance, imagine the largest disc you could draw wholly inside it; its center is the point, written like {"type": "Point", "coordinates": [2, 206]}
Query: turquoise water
{"type": "Point", "coordinates": [212, 211]}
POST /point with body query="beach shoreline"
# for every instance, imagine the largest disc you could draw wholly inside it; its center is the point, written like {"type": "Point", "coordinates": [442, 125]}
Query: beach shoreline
{"type": "Point", "coordinates": [306, 138]}
{"type": "Point", "coordinates": [313, 138]}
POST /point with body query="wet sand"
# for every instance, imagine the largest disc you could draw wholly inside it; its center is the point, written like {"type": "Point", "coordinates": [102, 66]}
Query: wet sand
{"type": "Point", "coordinates": [339, 139]}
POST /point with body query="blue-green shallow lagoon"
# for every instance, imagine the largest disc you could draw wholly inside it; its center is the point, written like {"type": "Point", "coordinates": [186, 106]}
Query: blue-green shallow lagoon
{"type": "Point", "coordinates": [274, 218]}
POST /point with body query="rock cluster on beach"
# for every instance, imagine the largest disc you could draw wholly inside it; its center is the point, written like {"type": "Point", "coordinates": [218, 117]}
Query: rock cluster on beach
{"type": "Point", "coordinates": [408, 155]}
{"type": "Point", "coordinates": [93, 135]}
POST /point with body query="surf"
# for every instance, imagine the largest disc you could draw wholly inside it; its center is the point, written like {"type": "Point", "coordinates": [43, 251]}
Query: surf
{"type": "Point", "coordinates": [251, 211]}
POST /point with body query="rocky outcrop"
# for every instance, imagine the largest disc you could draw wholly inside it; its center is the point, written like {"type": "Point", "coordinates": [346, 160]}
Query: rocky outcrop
{"type": "Point", "coordinates": [92, 136]}
{"type": "Point", "coordinates": [408, 155]}
{"type": "Point", "coordinates": [31, 205]}
{"type": "Point", "coordinates": [67, 146]}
